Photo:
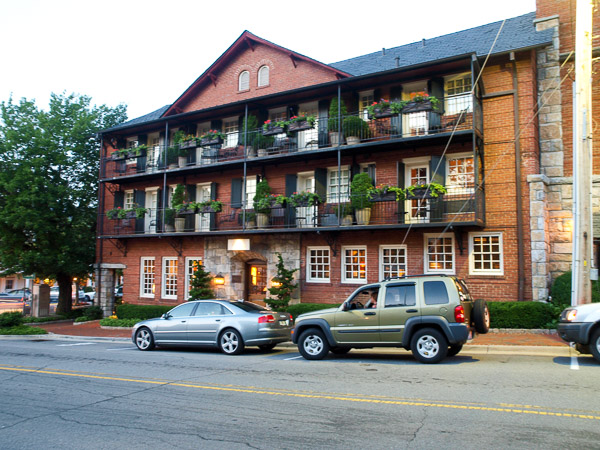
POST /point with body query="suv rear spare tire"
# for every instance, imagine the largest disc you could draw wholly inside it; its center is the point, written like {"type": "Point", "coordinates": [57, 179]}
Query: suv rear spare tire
{"type": "Point", "coordinates": [480, 315]}
{"type": "Point", "coordinates": [312, 344]}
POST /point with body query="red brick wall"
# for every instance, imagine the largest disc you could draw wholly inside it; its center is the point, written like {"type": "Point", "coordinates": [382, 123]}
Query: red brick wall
{"type": "Point", "coordinates": [283, 76]}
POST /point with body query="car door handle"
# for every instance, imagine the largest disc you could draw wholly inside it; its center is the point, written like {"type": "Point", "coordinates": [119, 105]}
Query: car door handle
{"type": "Point", "coordinates": [370, 314]}
{"type": "Point", "coordinates": [412, 310]}
{"type": "Point", "coordinates": [183, 321]}
{"type": "Point", "coordinates": [217, 320]}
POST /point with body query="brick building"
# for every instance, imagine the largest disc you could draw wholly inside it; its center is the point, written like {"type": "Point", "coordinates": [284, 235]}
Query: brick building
{"type": "Point", "coordinates": [483, 141]}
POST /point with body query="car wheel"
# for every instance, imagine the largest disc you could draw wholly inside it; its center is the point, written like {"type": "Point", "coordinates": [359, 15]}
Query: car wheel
{"type": "Point", "coordinates": [595, 344]}
{"type": "Point", "coordinates": [454, 349]}
{"type": "Point", "coordinates": [87, 298]}
{"type": "Point", "coordinates": [144, 339]}
{"type": "Point", "coordinates": [481, 316]}
{"type": "Point", "coordinates": [340, 350]}
{"type": "Point", "coordinates": [230, 342]}
{"type": "Point", "coordinates": [312, 344]}
{"type": "Point", "coordinates": [429, 346]}
{"type": "Point", "coordinates": [267, 347]}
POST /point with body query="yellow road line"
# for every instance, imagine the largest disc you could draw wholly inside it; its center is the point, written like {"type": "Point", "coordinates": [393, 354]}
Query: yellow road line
{"type": "Point", "coordinates": [349, 398]}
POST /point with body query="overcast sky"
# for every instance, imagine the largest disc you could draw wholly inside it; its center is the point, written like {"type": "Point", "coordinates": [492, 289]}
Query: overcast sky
{"type": "Point", "coordinates": [145, 53]}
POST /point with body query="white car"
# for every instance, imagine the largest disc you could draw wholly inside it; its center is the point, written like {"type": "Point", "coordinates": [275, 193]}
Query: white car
{"type": "Point", "coordinates": [581, 324]}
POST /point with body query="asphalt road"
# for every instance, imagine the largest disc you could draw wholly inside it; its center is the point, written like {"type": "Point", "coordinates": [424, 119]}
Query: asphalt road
{"type": "Point", "coordinates": [82, 394]}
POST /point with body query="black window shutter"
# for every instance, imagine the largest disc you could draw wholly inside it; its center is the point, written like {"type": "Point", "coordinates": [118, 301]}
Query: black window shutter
{"type": "Point", "coordinates": [435, 87]}
{"type": "Point", "coordinates": [216, 124]}
{"type": "Point", "coordinates": [323, 129]}
{"type": "Point", "coordinates": [400, 183]}
{"type": "Point", "coordinates": [354, 169]}
{"type": "Point", "coordinates": [437, 168]}
{"type": "Point", "coordinates": [293, 110]}
{"type": "Point", "coordinates": [321, 182]}
{"type": "Point", "coordinates": [396, 121]}
{"type": "Point", "coordinates": [291, 186]}
{"type": "Point", "coordinates": [140, 164]}
{"type": "Point", "coordinates": [190, 219]}
{"type": "Point", "coordinates": [372, 173]}
{"type": "Point", "coordinates": [119, 199]}
{"type": "Point", "coordinates": [159, 212]}
{"type": "Point", "coordinates": [213, 191]}
{"type": "Point", "coordinates": [236, 192]}
{"type": "Point", "coordinates": [139, 197]}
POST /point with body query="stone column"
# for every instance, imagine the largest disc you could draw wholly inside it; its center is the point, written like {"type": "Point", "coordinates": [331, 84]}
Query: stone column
{"type": "Point", "coordinates": [105, 280]}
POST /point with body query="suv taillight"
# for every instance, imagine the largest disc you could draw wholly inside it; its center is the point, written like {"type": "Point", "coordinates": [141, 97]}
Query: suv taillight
{"type": "Point", "coordinates": [459, 314]}
{"type": "Point", "coordinates": [269, 318]}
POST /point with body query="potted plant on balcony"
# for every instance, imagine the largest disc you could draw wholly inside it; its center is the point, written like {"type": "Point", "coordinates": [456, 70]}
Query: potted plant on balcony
{"type": "Point", "coordinates": [210, 206]}
{"type": "Point", "coordinates": [344, 211]}
{"type": "Point", "coordinates": [249, 127]}
{"type": "Point", "coordinates": [212, 137]}
{"type": "Point", "coordinates": [170, 220]}
{"type": "Point", "coordinates": [186, 208]}
{"type": "Point", "coordinates": [136, 152]}
{"type": "Point", "coordinates": [333, 122]}
{"type": "Point", "coordinates": [300, 199]}
{"type": "Point", "coordinates": [355, 129]}
{"type": "Point", "coordinates": [178, 202]}
{"type": "Point", "coordinates": [386, 193]}
{"type": "Point", "coordinates": [119, 154]}
{"type": "Point", "coordinates": [117, 213]}
{"type": "Point", "coordinates": [360, 186]}
{"type": "Point", "coordinates": [302, 122]}
{"type": "Point", "coordinates": [172, 155]}
{"type": "Point", "coordinates": [420, 101]}
{"type": "Point", "coordinates": [422, 191]}
{"type": "Point", "coordinates": [385, 108]}
{"type": "Point", "coordinates": [271, 128]}
{"type": "Point", "coordinates": [140, 212]}
{"type": "Point", "coordinates": [183, 154]}
{"type": "Point", "coordinates": [262, 207]}
{"type": "Point", "coordinates": [250, 219]}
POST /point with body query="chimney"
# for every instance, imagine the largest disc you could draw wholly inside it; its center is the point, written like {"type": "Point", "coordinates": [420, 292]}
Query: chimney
{"type": "Point", "coordinates": [383, 51]}
{"type": "Point", "coordinates": [423, 43]}
{"type": "Point", "coordinates": [397, 58]}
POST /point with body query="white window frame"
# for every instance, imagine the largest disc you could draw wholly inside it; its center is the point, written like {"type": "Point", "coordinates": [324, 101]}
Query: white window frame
{"type": "Point", "coordinates": [189, 271]}
{"type": "Point", "coordinates": [344, 264]}
{"type": "Point", "coordinates": [244, 81]}
{"type": "Point", "coordinates": [342, 196]}
{"type": "Point", "coordinates": [146, 276]}
{"type": "Point", "coordinates": [365, 98]}
{"type": "Point", "coordinates": [164, 275]}
{"type": "Point", "coordinates": [231, 128]}
{"type": "Point", "coordinates": [455, 103]}
{"type": "Point", "coordinates": [132, 142]}
{"type": "Point", "coordinates": [250, 191]}
{"type": "Point", "coordinates": [382, 264]}
{"type": "Point", "coordinates": [261, 82]}
{"type": "Point", "coordinates": [459, 188]}
{"type": "Point", "coordinates": [472, 269]}
{"type": "Point", "coordinates": [426, 261]}
{"type": "Point", "coordinates": [128, 199]}
{"type": "Point", "coordinates": [310, 263]}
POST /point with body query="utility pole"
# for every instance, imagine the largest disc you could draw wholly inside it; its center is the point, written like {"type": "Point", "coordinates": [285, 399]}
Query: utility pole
{"type": "Point", "coordinates": [582, 156]}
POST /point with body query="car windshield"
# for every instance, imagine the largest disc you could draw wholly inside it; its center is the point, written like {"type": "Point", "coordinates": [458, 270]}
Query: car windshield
{"type": "Point", "coordinates": [250, 307]}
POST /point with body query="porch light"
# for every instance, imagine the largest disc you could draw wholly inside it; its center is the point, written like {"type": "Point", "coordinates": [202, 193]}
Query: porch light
{"type": "Point", "coordinates": [238, 244]}
{"type": "Point", "coordinates": [219, 279]}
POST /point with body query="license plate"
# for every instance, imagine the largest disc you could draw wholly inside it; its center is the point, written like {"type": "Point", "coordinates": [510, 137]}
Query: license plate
{"type": "Point", "coordinates": [284, 323]}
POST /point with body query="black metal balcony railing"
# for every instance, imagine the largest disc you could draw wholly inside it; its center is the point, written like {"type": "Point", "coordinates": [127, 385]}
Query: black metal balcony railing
{"type": "Point", "coordinates": [459, 206]}
{"type": "Point", "coordinates": [351, 129]}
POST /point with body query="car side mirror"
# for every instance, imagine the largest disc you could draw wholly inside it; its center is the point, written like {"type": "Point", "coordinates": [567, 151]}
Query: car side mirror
{"type": "Point", "coordinates": [166, 316]}
{"type": "Point", "coordinates": [345, 306]}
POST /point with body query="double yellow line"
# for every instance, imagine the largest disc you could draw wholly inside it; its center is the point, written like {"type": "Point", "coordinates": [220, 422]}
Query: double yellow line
{"type": "Point", "coordinates": [513, 409]}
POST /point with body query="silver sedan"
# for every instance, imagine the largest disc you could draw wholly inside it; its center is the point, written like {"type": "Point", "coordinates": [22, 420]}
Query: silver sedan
{"type": "Point", "coordinates": [229, 325]}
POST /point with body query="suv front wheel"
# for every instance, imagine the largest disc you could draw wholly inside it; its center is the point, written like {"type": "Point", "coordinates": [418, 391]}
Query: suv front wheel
{"type": "Point", "coordinates": [312, 344]}
{"type": "Point", "coordinates": [429, 346]}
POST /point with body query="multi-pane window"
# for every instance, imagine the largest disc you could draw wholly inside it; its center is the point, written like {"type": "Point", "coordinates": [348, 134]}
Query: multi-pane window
{"type": "Point", "coordinates": [250, 191]}
{"type": "Point", "coordinates": [485, 253]}
{"type": "Point", "coordinates": [244, 81]}
{"type": "Point", "coordinates": [128, 202]}
{"type": "Point", "coordinates": [147, 277]}
{"type": "Point", "coordinates": [190, 267]}
{"type": "Point", "coordinates": [458, 94]}
{"type": "Point", "coordinates": [338, 188]}
{"type": "Point", "coordinates": [392, 260]}
{"type": "Point", "coordinates": [365, 99]}
{"type": "Point", "coordinates": [318, 264]}
{"type": "Point", "coordinates": [439, 254]}
{"type": "Point", "coordinates": [231, 128]}
{"type": "Point", "coordinates": [354, 264]}
{"type": "Point", "coordinates": [263, 76]}
{"type": "Point", "coordinates": [169, 278]}
{"type": "Point", "coordinates": [460, 175]}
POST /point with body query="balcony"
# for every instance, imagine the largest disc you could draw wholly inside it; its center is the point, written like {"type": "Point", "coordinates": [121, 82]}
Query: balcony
{"type": "Point", "coordinates": [462, 114]}
{"type": "Point", "coordinates": [461, 207]}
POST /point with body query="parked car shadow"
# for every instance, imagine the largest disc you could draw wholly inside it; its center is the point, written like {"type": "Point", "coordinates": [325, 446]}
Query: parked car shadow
{"type": "Point", "coordinates": [582, 360]}
{"type": "Point", "coordinates": [393, 358]}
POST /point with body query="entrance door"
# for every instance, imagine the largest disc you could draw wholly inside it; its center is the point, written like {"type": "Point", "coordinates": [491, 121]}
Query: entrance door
{"type": "Point", "coordinates": [150, 219]}
{"type": "Point", "coordinates": [203, 219]}
{"type": "Point", "coordinates": [418, 209]}
{"type": "Point", "coordinates": [306, 216]}
{"type": "Point", "coordinates": [256, 281]}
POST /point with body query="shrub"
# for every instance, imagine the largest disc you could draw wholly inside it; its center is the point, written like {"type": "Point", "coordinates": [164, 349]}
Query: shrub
{"type": "Point", "coordinates": [93, 312]}
{"type": "Point", "coordinates": [333, 113]}
{"type": "Point", "coordinates": [522, 315]}
{"type": "Point", "coordinates": [283, 292]}
{"type": "Point", "coordinates": [359, 189]}
{"type": "Point", "coordinates": [11, 319]}
{"type": "Point", "coordinates": [125, 323]}
{"type": "Point", "coordinates": [561, 291]}
{"type": "Point", "coordinates": [141, 312]}
{"type": "Point", "coordinates": [301, 308]}
{"type": "Point", "coordinates": [22, 330]}
{"type": "Point", "coordinates": [45, 319]}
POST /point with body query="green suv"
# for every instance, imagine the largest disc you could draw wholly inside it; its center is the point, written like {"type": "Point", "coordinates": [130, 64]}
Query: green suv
{"type": "Point", "coordinates": [433, 316]}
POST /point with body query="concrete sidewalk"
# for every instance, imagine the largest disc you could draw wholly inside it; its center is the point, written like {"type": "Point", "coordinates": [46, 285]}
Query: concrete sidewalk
{"type": "Point", "coordinates": [520, 342]}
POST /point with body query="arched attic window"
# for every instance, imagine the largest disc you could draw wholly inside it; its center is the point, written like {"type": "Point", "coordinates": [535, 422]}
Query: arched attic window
{"type": "Point", "coordinates": [244, 81]}
{"type": "Point", "coordinates": [263, 76]}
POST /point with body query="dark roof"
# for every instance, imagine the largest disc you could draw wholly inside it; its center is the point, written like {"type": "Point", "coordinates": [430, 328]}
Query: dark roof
{"type": "Point", "coordinates": [517, 33]}
{"type": "Point", "coordinates": [154, 115]}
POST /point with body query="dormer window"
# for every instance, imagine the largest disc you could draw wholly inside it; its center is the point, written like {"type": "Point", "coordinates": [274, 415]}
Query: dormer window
{"type": "Point", "coordinates": [244, 81]}
{"type": "Point", "coordinates": [263, 76]}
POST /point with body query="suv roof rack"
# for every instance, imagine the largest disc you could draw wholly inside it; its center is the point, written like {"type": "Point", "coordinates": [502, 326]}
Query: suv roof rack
{"type": "Point", "coordinates": [416, 275]}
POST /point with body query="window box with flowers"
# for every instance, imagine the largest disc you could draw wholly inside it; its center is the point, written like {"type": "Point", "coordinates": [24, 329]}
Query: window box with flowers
{"type": "Point", "coordinates": [121, 213]}
{"type": "Point", "coordinates": [210, 206]}
{"type": "Point", "coordinates": [271, 128]}
{"type": "Point", "coordinates": [119, 154]}
{"type": "Point", "coordinates": [212, 137]}
{"type": "Point", "coordinates": [186, 208]}
{"type": "Point", "coordinates": [425, 191]}
{"type": "Point", "coordinates": [301, 199]}
{"type": "Point", "coordinates": [301, 123]}
{"type": "Point", "coordinates": [385, 108]}
{"type": "Point", "coordinates": [136, 152]}
{"type": "Point", "coordinates": [386, 193]}
{"type": "Point", "coordinates": [420, 101]}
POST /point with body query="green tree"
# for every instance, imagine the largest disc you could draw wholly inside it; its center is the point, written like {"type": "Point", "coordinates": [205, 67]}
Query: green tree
{"type": "Point", "coordinates": [200, 284]}
{"type": "Point", "coordinates": [284, 287]}
{"type": "Point", "coordinates": [49, 163]}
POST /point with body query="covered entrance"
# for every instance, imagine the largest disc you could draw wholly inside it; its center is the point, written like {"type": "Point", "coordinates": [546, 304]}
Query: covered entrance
{"type": "Point", "coordinates": [255, 289]}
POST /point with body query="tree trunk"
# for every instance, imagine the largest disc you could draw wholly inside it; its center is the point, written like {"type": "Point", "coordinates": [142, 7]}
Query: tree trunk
{"type": "Point", "coordinates": [65, 290]}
